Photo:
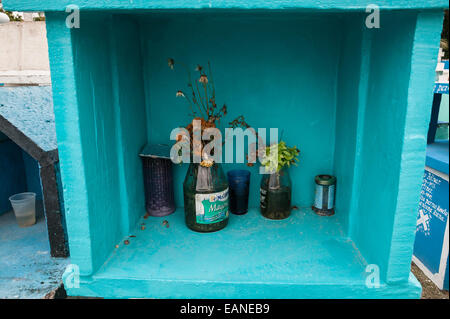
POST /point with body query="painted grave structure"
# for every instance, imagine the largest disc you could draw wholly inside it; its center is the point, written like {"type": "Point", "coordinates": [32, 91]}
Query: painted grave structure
{"type": "Point", "coordinates": [336, 87]}
{"type": "Point", "coordinates": [29, 154]}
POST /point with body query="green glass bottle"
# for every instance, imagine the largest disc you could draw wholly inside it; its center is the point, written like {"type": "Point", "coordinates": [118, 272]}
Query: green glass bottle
{"type": "Point", "coordinates": [276, 195]}
{"type": "Point", "coordinates": [205, 198]}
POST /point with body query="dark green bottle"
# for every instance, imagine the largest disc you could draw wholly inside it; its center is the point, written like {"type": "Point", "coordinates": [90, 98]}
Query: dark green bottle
{"type": "Point", "coordinates": [205, 198]}
{"type": "Point", "coordinates": [275, 191]}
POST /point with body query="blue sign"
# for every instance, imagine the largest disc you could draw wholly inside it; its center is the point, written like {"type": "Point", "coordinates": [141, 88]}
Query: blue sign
{"type": "Point", "coordinates": [431, 222]}
{"type": "Point", "coordinates": [441, 88]}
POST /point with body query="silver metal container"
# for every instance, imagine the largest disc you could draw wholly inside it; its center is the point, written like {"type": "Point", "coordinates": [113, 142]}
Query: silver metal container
{"type": "Point", "coordinates": [325, 194]}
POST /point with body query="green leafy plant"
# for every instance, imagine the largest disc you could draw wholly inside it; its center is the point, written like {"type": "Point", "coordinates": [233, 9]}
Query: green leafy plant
{"type": "Point", "coordinates": [279, 155]}
{"type": "Point", "coordinates": [276, 155]}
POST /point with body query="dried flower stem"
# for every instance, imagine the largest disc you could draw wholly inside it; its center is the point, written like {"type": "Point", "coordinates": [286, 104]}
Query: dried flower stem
{"type": "Point", "coordinates": [193, 92]}
{"type": "Point", "coordinates": [206, 98]}
{"type": "Point", "coordinates": [190, 105]}
{"type": "Point", "coordinates": [212, 82]}
{"type": "Point", "coordinates": [201, 99]}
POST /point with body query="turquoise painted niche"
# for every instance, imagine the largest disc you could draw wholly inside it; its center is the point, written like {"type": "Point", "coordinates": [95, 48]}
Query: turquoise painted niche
{"type": "Point", "coordinates": [354, 100]}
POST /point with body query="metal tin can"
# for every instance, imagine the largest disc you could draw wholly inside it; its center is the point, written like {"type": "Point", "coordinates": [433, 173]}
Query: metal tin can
{"type": "Point", "coordinates": [325, 193]}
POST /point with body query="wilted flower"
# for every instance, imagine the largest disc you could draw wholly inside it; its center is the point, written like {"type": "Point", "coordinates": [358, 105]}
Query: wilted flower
{"type": "Point", "coordinates": [203, 79]}
{"type": "Point", "coordinates": [202, 103]}
{"type": "Point", "coordinates": [171, 63]}
{"type": "Point", "coordinates": [207, 163]}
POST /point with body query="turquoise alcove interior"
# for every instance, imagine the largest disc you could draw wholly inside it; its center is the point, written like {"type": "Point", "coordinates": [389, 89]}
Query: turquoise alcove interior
{"type": "Point", "coordinates": [321, 77]}
{"type": "Point", "coordinates": [279, 71]}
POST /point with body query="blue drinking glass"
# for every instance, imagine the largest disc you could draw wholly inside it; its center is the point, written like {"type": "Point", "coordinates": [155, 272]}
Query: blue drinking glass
{"type": "Point", "coordinates": [239, 183]}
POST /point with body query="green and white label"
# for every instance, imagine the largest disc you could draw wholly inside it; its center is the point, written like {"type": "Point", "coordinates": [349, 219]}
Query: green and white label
{"type": "Point", "coordinates": [211, 208]}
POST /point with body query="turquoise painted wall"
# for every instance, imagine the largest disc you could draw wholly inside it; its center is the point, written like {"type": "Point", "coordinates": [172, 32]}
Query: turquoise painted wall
{"type": "Point", "coordinates": [380, 154]}
{"type": "Point", "coordinates": [131, 119]}
{"type": "Point", "coordinates": [351, 88]}
{"type": "Point", "coordinates": [19, 172]}
{"type": "Point", "coordinates": [13, 179]}
{"type": "Point", "coordinates": [33, 175]}
{"type": "Point", "coordinates": [98, 133]}
{"type": "Point", "coordinates": [109, 102]}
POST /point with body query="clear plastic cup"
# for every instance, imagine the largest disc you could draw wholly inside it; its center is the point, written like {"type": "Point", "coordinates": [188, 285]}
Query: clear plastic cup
{"type": "Point", "coordinates": [24, 206]}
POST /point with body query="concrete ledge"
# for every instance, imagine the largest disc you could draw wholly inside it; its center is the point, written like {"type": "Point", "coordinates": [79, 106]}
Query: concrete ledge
{"type": "Point", "coordinates": [41, 77]}
{"type": "Point", "coordinates": [304, 256]}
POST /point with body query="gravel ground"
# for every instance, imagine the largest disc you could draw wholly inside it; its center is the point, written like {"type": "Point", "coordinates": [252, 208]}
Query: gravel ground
{"type": "Point", "coordinates": [429, 289]}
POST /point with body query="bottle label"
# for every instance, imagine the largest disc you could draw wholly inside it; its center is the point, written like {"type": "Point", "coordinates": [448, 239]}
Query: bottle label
{"type": "Point", "coordinates": [331, 197]}
{"type": "Point", "coordinates": [324, 198]}
{"type": "Point", "coordinates": [318, 199]}
{"type": "Point", "coordinates": [211, 208]}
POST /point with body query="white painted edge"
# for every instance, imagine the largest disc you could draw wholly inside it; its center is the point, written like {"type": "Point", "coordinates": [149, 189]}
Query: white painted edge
{"type": "Point", "coordinates": [437, 173]}
{"type": "Point", "coordinates": [437, 279]}
{"type": "Point", "coordinates": [24, 72]}
{"type": "Point", "coordinates": [25, 77]}
{"type": "Point", "coordinates": [444, 256]}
